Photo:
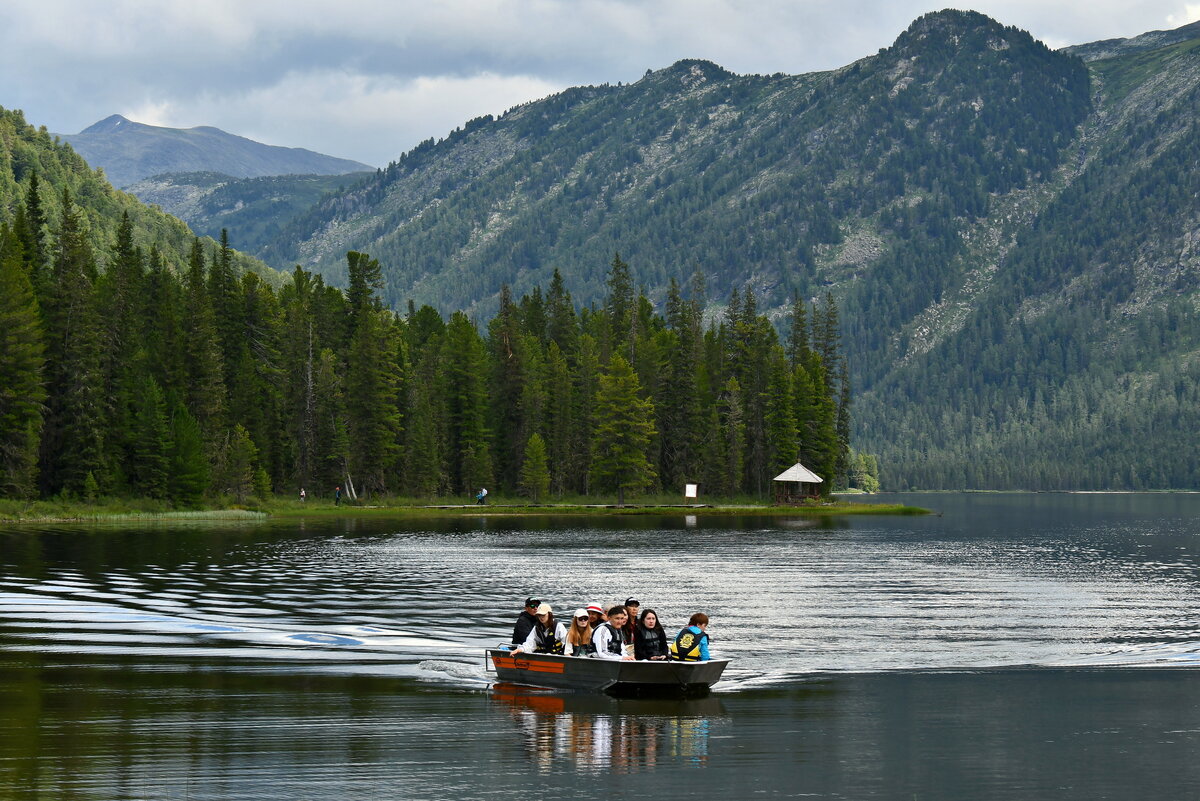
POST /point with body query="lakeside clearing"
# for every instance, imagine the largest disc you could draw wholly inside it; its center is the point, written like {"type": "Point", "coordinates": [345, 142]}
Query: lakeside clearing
{"type": "Point", "coordinates": [18, 512]}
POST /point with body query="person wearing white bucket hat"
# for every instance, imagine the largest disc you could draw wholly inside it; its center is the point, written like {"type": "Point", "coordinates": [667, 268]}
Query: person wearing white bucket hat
{"type": "Point", "coordinates": [579, 635]}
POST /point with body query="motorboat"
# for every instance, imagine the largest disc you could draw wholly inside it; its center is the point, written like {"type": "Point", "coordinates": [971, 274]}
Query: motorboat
{"type": "Point", "coordinates": [616, 677]}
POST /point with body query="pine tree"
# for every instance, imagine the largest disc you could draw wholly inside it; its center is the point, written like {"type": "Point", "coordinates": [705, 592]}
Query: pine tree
{"type": "Point", "coordinates": [780, 424]}
{"type": "Point", "coordinates": [372, 402]}
{"type": "Point", "coordinates": [73, 444]}
{"type": "Point", "coordinates": [35, 249]}
{"type": "Point", "coordinates": [732, 431]}
{"type": "Point", "coordinates": [468, 444]}
{"type": "Point", "coordinates": [241, 464]}
{"type": "Point", "coordinates": [189, 466]}
{"type": "Point", "coordinates": [561, 408]}
{"type": "Point", "coordinates": [619, 310]}
{"type": "Point", "coordinates": [152, 447]}
{"type": "Point", "coordinates": [624, 430]}
{"type": "Point", "coordinates": [22, 360]}
{"type": "Point", "coordinates": [425, 451]}
{"type": "Point", "coordinates": [205, 384]}
{"type": "Point", "coordinates": [510, 376]}
{"type": "Point", "coordinates": [535, 473]}
{"type": "Point", "coordinates": [119, 298]}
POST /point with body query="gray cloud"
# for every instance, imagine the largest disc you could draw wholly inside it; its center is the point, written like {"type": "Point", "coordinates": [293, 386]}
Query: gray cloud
{"type": "Point", "coordinates": [368, 80]}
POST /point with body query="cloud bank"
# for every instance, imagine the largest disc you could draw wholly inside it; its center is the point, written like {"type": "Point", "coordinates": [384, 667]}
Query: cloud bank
{"type": "Point", "coordinates": [368, 80]}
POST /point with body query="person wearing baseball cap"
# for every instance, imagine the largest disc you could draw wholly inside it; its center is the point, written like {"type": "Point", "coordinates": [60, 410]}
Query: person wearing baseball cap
{"type": "Point", "coordinates": [596, 614]}
{"type": "Point", "coordinates": [526, 621]}
{"type": "Point", "coordinates": [547, 637]}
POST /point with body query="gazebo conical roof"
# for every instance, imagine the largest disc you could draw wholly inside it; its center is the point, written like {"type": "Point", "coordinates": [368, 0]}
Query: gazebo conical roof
{"type": "Point", "coordinates": [799, 472]}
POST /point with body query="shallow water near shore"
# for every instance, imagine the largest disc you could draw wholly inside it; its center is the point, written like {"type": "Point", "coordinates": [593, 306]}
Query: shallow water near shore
{"type": "Point", "coordinates": [1010, 646]}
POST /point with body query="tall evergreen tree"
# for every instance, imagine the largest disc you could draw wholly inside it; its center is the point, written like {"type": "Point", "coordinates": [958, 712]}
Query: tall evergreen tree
{"type": "Point", "coordinates": [189, 466]}
{"type": "Point", "coordinates": [73, 444]}
{"type": "Point", "coordinates": [535, 472]}
{"type": "Point", "coordinates": [466, 406]}
{"type": "Point", "coordinates": [22, 361]}
{"type": "Point", "coordinates": [619, 310]}
{"type": "Point", "coordinates": [624, 429]}
{"type": "Point", "coordinates": [151, 452]}
{"type": "Point", "coordinates": [205, 384]}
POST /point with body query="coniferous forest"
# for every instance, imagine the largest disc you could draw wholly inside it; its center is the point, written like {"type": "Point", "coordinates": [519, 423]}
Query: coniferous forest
{"type": "Point", "coordinates": [144, 373]}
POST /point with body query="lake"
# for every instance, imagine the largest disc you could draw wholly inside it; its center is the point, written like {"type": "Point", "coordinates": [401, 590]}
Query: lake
{"type": "Point", "coordinates": [1010, 646]}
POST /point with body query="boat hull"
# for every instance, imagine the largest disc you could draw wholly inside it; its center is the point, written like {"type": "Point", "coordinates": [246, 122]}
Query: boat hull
{"type": "Point", "coordinates": [617, 677]}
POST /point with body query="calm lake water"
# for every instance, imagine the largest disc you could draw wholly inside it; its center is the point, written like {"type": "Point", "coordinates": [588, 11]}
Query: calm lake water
{"type": "Point", "coordinates": [1013, 646]}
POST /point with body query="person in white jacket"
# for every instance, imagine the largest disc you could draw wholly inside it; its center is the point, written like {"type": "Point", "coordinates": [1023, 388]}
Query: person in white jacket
{"type": "Point", "coordinates": [608, 637]}
{"type": "Point", "coordinates": [547, 636]}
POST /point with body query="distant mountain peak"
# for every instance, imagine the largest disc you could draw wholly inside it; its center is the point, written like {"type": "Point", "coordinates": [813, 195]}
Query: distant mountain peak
{"type": "Point", "coordinates": [687, 74]}
{"type": "Point", "coordinates": [107, 125]}
{"type": "Point", "coordinates": [130, 151]}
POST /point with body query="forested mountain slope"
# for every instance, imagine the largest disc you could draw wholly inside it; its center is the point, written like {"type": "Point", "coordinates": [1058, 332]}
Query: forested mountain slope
{"type": "Point", "coordinates": [26, 151]}
{"type": "Point", "coordinates": [129, 151]}
{"type": "Point", "coordinates": [1071, 357]}
{"type": "Point", "coordinates": [753, 179]}
{"type": "Point", "coordinates": [255, 208]}
{"type": "Point", "coordinates": [1009, 232]}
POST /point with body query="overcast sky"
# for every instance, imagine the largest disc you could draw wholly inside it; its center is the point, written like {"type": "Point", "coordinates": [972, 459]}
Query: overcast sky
{"type": "Point", "coordinates": [369, 79]}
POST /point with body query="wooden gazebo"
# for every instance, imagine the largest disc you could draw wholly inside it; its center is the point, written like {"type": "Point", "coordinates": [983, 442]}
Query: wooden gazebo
{"type": "Point", "coordinates": [796, 485]}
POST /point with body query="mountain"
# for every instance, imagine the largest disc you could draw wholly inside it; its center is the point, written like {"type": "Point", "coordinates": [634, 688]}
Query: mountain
{"type": "Point", "coordinates": [1010, 233]}
{"type": "Point", "coordinates": [255, 208]}
{"type": "Point", "coordinates": [1151, 40]}
{"type": "Point", "coordinates": [26, 150]}
{"type": "Point", "coordinates": [129, 151]}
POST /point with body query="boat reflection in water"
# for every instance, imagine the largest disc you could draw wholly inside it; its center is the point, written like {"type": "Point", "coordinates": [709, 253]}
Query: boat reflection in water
{"type": "Point", "coordinates": [595, 733]}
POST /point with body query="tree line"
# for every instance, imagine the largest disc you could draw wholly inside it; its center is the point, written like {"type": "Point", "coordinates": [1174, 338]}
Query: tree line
{"type": "Point", "coordinates": [179, 378]}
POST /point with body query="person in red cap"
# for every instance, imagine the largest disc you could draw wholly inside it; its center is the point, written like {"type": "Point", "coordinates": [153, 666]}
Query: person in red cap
{"type": "Point", "coordinates": [596, 614]}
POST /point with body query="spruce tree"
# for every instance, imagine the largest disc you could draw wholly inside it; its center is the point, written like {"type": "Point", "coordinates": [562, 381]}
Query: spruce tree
{"type": "Point", "coordinates": [624, 430]}
{"type": "Point", "coordinates": [535, 472]}
{"type": "Point", "coordinates": [189, 466]}
{"type": "Point", "coordinates": [780, 424]}
{"type": "Point", "coordinates": [510, 374]}
{"type": "Point", "coordinates": [73, 444]}
{"type": "Point", "coordinates": [468, 439]}
{"type": "Point", "coordinates": [151, 451]}
{"type": "Point", "coordinates": [241, 465]}
{"type": "Point", "coordinates": [205, 383]}
{"type": "Point", "coordinates": [22, 361]}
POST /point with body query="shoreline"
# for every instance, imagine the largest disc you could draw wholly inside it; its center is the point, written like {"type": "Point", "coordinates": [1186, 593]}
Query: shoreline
{"type": "Point", "coordinates": [81, 513]}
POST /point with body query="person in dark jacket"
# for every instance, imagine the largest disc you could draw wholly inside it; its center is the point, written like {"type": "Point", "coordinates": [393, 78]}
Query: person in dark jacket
{"type": "Point", "coordinates": [632, 606]}
{"type": "Point", "coordinates": [526, 621]}
{"type": "Point", "coordinates": [649, 637]}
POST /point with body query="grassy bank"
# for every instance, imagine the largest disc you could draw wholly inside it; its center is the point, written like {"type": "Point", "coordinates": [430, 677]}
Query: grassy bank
{"type": "Point", "coordinates": [131, 510]}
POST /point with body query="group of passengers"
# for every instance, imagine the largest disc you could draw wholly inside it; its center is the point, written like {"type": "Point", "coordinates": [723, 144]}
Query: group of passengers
{"type": "Point", "coordinates": [624, 632]}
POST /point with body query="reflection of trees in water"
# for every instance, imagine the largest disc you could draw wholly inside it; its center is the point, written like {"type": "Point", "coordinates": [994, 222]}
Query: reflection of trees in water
{"type": "Point", "coordinates": [595, 735]}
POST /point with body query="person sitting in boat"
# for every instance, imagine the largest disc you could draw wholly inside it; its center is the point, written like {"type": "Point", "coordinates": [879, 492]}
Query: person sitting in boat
{"type": "Point", "coordinates": [526, 621]}
{"type": "Point", "coordinates": [595, 614]}
{"type": "Point", "coordinates": [608, 637]}
{"type": "Point", "coordinates": [691, 644]}
{"type": "Point", "coordinates": [649, 637]}
{"type": "Point", "coordinates": [579, 635]}
{"type": "Point", "coordinates": [632, 606]}
{"type": "Point", "coordinates": [548, 636]}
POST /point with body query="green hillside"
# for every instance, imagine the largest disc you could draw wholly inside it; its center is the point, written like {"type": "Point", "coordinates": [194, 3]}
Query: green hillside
{"type": "Point", "coordinates": [256, 208]}
{"type": "Point", "coordinates": [26, 150]}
